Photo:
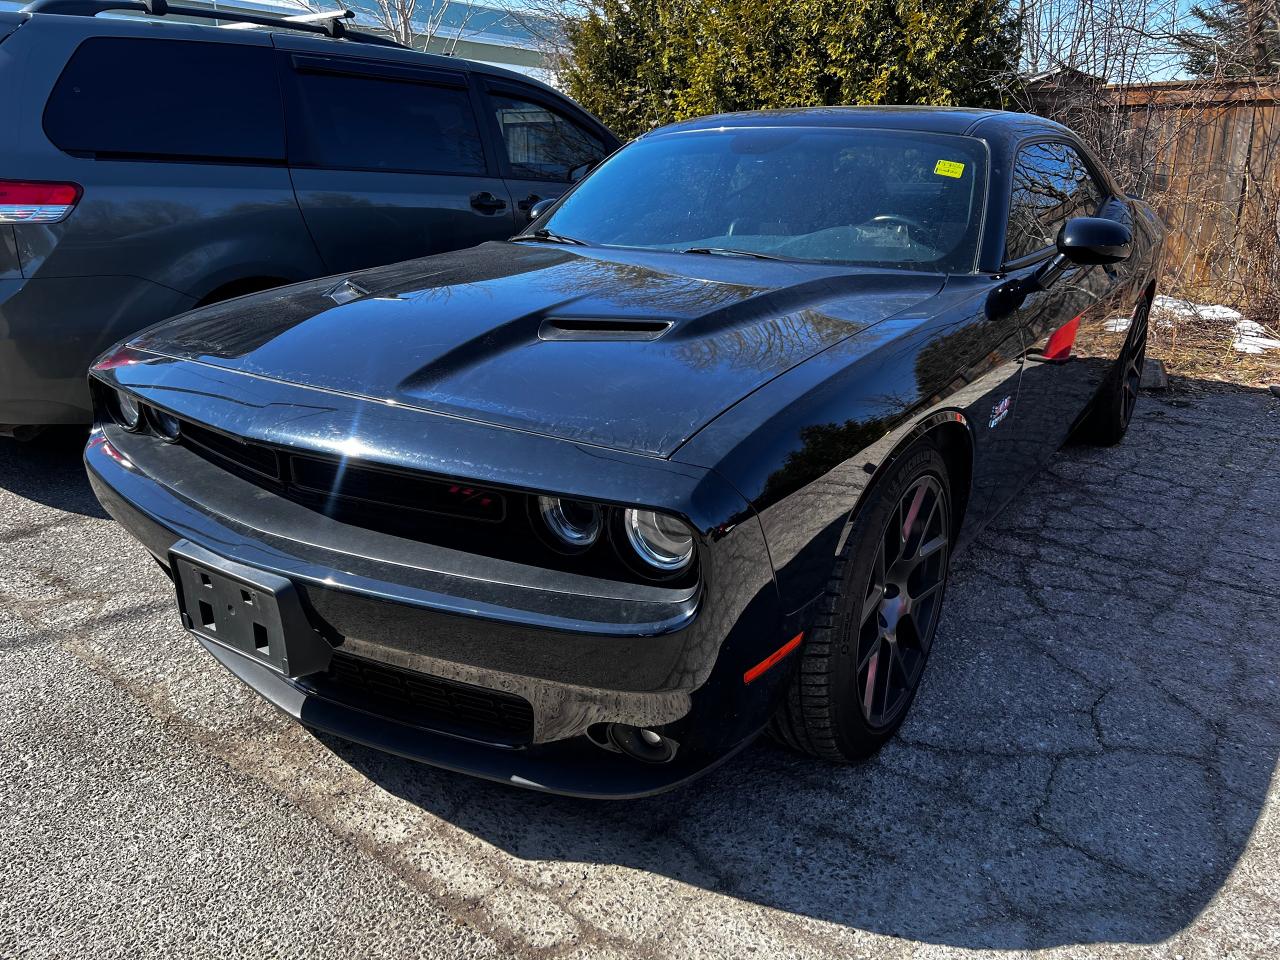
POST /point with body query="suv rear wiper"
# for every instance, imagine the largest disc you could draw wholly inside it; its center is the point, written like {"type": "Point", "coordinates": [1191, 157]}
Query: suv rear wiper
{"type": "Point", "coordinates": [547, 236]}
{"type": "Point", "coordinates": [729, 252]}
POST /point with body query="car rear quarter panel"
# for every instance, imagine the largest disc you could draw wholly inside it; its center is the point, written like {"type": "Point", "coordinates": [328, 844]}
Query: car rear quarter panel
{"type": "Point", "coordinates": [9, 22]}
{"type": "Point", "coordinates": [147, 240]}
{"type": "Point", "coordinates": [44, 355]}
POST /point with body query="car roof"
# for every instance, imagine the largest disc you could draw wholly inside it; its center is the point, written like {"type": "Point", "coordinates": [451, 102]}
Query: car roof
{"type": "Point", "coordinates": [149, 26]}
{"type": "Point", "coordinates": [955, 120]}
{"type": "Point", "coordinates": [291, 40]}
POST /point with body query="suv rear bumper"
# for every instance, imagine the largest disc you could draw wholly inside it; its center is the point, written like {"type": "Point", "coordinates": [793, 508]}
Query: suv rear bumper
{"type": "Point", "coordinates": [52, 329]}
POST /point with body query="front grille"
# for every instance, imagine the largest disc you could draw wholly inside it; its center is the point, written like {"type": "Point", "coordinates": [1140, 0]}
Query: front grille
{"type": "Point", "coordinates": [239, 455]}
{"type": "Point", "coordinates": [448, 706]}
{"type": "Point", "coordinates": [393, 488]}
{"type": "Point", "coordinates": [335, 484]}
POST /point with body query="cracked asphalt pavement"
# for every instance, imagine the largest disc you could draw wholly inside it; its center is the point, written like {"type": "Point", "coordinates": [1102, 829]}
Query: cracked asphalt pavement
{"type": "Point", "coordinates": [1089, 770]}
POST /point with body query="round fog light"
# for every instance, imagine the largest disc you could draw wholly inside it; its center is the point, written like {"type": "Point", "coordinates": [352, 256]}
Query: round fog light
{"type": "Point", "coordinates": [647, 746]}
{"type": "Point", "coordinates": [661, 541]}
{"type": "Point", "coordinates": [127, 410]}
{"type": "Point", "coordinates": [574, 523]}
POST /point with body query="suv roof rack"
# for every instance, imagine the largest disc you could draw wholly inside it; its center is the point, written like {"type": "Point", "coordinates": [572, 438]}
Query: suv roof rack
{"type": "Point", "coordinates": [331, 27]}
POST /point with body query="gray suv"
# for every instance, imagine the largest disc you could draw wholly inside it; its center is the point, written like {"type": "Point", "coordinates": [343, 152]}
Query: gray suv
{"type": "Point", "coordinates": [149, 166]}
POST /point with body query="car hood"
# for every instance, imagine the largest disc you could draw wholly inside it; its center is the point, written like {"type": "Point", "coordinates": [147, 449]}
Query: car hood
{"type": "Point", "coordinates": [630, 350]}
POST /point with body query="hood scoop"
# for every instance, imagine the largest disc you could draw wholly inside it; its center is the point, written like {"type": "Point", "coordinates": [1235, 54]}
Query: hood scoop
{"type": "Point", "coordinates": [601, 328]}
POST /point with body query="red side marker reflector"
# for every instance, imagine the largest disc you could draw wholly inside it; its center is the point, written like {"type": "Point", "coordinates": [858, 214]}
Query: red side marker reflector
{"type": "Point", "coordinates": [1063, 339]}
{"type": "Point", "coordinates": [773, 659]}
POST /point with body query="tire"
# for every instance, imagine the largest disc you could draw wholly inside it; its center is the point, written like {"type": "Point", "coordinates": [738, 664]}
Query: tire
{"type": "Point", "coordinates": [830, 710]}
{"type": "Point", "coordinates": [1109, 416]}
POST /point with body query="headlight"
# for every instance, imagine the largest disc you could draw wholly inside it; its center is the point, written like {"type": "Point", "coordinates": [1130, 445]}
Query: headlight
{"type": "Point", "coordinates": [661, 541]}
{"type": "Point", "coordinates": [127, 410]}
{"type": "Point", "coordinates": [574, 524]}
{"type": "Point", "coordinates": [166, 425]}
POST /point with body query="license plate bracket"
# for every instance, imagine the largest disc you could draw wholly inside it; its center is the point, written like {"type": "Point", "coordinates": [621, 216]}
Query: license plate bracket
{"type": "Point", "coordinates": [253, 612]}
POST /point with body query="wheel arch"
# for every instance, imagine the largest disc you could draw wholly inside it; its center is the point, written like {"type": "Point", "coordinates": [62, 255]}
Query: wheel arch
{"type": "Point", "coordinates": [954, 439]}
{"type": "Point", "coordinates": [949, 430]}
{"type": "Point", "coordinates": [804, 573]}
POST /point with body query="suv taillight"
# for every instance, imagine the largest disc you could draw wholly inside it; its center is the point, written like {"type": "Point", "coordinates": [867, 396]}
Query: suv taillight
{"type": "Point", "coordinates": [27, 201]}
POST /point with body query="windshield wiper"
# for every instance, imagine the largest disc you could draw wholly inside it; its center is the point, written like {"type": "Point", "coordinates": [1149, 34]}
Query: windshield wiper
{"type": "Point", "coordinates": [546, 236]}
{"type": "Point", "coordinates": [730, 252]}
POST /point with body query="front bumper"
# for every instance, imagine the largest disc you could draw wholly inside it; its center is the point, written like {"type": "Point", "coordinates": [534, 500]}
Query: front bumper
{"type": "Point", "coordinates": [580, 652]}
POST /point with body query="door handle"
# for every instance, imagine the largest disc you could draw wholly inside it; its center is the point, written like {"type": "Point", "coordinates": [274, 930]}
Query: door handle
{"type": "Point", "coordinates": [527, 203]}
{"type": "Point", "coordinates": [486, 202]}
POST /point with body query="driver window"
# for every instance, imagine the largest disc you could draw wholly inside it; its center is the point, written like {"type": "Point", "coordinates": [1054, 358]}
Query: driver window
{"type": "Point", "coordinates": [541, 144]}
{"type": "Point", "coordinates": [1051, 185]}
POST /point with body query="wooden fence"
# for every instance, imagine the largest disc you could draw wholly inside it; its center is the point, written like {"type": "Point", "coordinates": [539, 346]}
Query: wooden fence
{"type": "Point", "coordinates": [1207, 156]}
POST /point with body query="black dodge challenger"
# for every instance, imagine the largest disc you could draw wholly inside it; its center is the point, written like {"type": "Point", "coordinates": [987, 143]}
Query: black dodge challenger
{"type": "Point", "coordinates": [587, 510]}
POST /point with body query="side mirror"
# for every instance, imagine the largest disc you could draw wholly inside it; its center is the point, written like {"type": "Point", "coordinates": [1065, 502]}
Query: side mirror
{"type": "Point", "coordinates": [1085, 241]}
{"type": "Point", "coordinates": [541, 207]}
{"type": "Point", "coordinates": [1090, 240]}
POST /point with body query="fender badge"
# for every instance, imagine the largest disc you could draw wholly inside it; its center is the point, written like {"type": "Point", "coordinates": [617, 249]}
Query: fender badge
{"type": "Point", "coordinates": [1000, 411]}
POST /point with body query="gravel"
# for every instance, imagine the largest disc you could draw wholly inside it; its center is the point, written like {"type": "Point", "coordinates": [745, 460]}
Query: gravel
{"type": "Point", "coordinates": [1089, 769]}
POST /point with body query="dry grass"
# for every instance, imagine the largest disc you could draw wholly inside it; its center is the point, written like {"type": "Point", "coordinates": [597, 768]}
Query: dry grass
{"type": "Point", "coordinates": [1203, 349]}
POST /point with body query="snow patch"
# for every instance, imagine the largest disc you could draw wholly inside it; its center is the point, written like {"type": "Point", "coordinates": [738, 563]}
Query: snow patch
{"type": "Point", "coordinates": [1250, 336]}
{"type": "Point", "coordinates": [1185, 309]}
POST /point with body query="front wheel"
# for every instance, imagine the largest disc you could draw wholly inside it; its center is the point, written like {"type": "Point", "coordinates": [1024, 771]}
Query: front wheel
{"type": "Point", "coordinates": [862, 660]}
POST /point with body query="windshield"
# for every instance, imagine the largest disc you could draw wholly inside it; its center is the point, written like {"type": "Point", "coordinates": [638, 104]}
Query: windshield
{"type": "Point", "coordinates": [890, 198]}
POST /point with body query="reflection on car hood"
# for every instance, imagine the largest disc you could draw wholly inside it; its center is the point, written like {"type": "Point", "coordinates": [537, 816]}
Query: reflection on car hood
{"type": "Point", "coordinates": [506, 334]}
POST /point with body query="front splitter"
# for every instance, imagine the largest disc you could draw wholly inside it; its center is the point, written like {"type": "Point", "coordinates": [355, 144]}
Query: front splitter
{"type": "Point", "coordinates": [575, 767]}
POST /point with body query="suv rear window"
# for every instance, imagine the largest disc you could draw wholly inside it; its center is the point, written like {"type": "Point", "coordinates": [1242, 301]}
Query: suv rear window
{"type": "Point", "coordinates": [135, 98]}
{"type": "Point", "coordinates": [407, 121]}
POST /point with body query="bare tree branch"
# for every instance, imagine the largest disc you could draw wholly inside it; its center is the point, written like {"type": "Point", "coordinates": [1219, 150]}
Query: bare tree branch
{"type": "Point", "coordinates": [419, 26]}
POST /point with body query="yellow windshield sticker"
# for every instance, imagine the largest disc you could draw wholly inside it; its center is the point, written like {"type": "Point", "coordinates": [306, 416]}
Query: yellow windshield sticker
{"type": "Point", "coordinates": [949, 168]}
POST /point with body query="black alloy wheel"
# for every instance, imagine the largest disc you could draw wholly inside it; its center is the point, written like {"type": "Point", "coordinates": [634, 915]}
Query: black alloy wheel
{"type": "Point", "coordinates": [862, 659]}
{"type": "Point", "coordinates": [903, 597]}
